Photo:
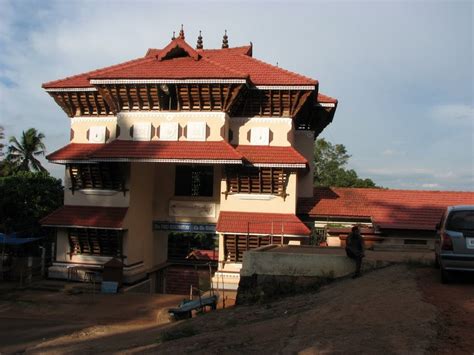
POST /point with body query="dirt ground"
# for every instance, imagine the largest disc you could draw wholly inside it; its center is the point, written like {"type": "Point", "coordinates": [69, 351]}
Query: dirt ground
{"type": "Point", "coordinates": [399, 309]}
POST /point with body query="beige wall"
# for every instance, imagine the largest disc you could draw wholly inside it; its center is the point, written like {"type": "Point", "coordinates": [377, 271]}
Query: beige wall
{"type": "Point", "coordinates": [280, 128]}
{"type": "Point", "coordinates": [304, 144]}
{"type": "Point", "coordinates": [80, 125]}
{"type": "Point", "coordinates": [139, 246]}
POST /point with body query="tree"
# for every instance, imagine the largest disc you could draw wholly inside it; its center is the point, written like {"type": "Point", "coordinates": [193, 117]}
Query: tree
{"type": "Point", "coordinates": [2, 137]}
{"type": "Point", "coordinates": [329, 167]}
{"type": "Point", "coordinates": [23, 155]}
{"type": "Point", "coordinates": [26, 197]}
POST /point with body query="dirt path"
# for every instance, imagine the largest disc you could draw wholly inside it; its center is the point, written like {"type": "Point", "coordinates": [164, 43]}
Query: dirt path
{"type": "Point", "coordinates": [397, 310]}
{"type": "Point", "coordinates": [455, 303]}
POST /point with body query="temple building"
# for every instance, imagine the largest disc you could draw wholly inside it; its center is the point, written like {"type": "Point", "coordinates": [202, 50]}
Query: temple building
{"type": "Point", "coordinates": [183, 155]}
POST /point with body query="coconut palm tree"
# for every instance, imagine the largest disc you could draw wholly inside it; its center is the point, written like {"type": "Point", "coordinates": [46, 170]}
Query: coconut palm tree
{"type": "Point", "coordinates": [23, 154]}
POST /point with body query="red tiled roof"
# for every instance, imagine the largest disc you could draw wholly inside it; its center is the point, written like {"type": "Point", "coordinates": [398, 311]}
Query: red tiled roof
{"type": "Point", "coordinates": [75, 151]}
{"type": "Point", "coordinates": [390, 209]}
{"type": "Point", "coordinates": [175, 68]}
{"type": "Point", "coordinates": [229, 63]}
{"type": "Point", "coordinates": [86, 216]}
{"type": "Point", "coordinates": [277, 156]}
{"type": "Point", "coordinates": [261, 223]}
{"type": "Point", "coordinates": [326, 99]}
{"type": "Point", "coordinates": [151, 150]}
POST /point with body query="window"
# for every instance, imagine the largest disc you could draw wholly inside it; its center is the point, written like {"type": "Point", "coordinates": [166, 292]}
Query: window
{"type": "Point", "coordinates": [256, 180]}
{"type": "Point", "coordinates": [192, 180]}
{"type": "Point", "coordinates": [236, 245]}
{"type": "Point", "coordinates": [101, 242]}
{"type": "Point", "coordinates": [97, 176]}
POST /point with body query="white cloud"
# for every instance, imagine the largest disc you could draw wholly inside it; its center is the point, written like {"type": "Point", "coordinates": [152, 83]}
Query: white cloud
{"type": "Point", "coordinates": [430, 186]}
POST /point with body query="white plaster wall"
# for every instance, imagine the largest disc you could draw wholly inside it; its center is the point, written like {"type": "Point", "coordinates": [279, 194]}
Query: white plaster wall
{"type": "Point", "coordinates": [280, 127]}
{"type": "Point", "coordinates": [304, 144]}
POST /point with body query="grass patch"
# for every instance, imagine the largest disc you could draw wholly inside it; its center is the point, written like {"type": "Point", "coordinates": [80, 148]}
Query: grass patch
{"type": "Point", "coordinates": [174, 334]}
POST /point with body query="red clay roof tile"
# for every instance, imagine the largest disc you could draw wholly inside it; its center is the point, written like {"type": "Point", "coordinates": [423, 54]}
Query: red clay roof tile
{"type": "Point", "coordinates": [151, 150]}
{"type": "Point", "coordinates": [326, 99]}
{"type": "Point", "coordinates": [229, 63]}
{"type": "Point", "coordinates": [261, 223]}
{"type": "Point", "coordinates": [390, 209]}
{"type": "Point", "coordinates": [256, 154]}
{"type": "Point", "coordinates": [86, 216]}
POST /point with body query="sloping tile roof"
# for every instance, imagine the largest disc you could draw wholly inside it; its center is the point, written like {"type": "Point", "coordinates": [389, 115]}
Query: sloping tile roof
{"type": "Point", "coordinates": [86, 216]}
{"type": "Point", "coordinates": [326, 99]}
{"type": "Point", "coordinates": [268, 155]}
{"type": "Point", "coordinates": [151, 150]}
{"type": "Point", "coordinates": [261, 223]}
{"type": "Point", "coordinates": [229, 63]}
{"type": "Point", "coordinates": [390, 209]}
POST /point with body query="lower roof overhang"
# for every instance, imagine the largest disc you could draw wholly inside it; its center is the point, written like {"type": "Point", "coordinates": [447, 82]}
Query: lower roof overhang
{"type": "Point", "coordinates": [187, 152]}
{"type": "Point", "coordinates": [261, 224]}
{"type": "Point", "coordinates": [86, 217]}
{"type": "Point", "coordinates": [271, 156]}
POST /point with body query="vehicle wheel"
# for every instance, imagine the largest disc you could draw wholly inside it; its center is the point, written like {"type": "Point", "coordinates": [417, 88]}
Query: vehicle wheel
{"type": "Point", "coordinates": [445, 277]}
{"type": "Point", "coordinates": [436, 262]}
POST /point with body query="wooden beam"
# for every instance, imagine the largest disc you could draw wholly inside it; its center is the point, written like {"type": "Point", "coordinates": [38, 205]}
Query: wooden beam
{"type": "Point", "coordinates": [221, 97]}
{"type": "Point", "coordinates": [280, 107]}
{"type": "Point", "coordinates": [79, 103]}
{"type": "Point", "coordinates": [227, 96]}
{"type": "Point", "coordinates": [295, 103]}
{"type": "Point", "coordinates": [302, 101]}
{"type": "Point", "coordinates": [119, 99]}
{"type": "Point", "coordinates": [148, 96]}
{"type": "Point", "coordinates": [129, 98]}
{"type": "Point", "coordinates": [96, 101]}
{"type": "Point", "coordinates": [190, 99]}
{"type": "Point", "coordinates": [271, 102]}
{"type": "Point", "coordinates": [160, 97]}
{"type": "Point", "coordinates": [109, 100]}
{"type": "Point", "coordinates": [60, 100]}
{"type": "Point", "coordinates": [211, 99]}
{"type": "Point", "coordinates": [89, 105]}
{"type": "Point", "coordinates": [139, 99]}
{"type": "Point", "coordinates": [199, 96]}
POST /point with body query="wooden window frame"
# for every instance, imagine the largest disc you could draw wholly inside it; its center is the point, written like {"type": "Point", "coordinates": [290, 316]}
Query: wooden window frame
{"type": "Point", "coordinates": [100, 176]}
{"type": "Point", "coordinates": [95, 242]}
{"type": "Point", "coordinates": [254, 180]}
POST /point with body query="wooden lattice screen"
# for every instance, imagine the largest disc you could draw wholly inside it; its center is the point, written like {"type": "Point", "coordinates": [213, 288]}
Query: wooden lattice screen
{"type": "Point", "coordinates": [107, 176]}
{"type": "Point", "coordinates": [89, 241]}
{"type": "Point", "coordinates": [256, 180]}
{"type": "Point", "coordinates": [236, 245]}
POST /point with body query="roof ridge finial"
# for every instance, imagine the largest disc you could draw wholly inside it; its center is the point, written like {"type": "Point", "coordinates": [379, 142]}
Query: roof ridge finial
{"type": "Point", "coordinates": [225, 42]}
{"type": "Point", "coordinates": [174, 36]}
{"type": "Point", "coordinates": [199, 41]}
{"type": "Point", "coordinates": [181, 32]}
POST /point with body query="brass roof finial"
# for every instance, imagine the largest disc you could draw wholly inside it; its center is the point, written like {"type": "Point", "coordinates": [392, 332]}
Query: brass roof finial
{"type": "Point", "coordinates": [174, 36]}
{"type": "Point", "coordinates": [225, 42]}
{"type": "Point", "coordinates": [181, 32]}
{"type": "Point", "coordinates": [199, 41]}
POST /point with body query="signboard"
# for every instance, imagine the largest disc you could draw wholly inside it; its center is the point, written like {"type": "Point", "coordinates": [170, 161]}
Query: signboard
{"type": "Point", "coordinates": [192, 209]}
{"type": "Point", "coordinates": [184, 227]}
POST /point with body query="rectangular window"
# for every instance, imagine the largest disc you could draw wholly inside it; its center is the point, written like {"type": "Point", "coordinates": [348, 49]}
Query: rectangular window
{"type": "Point", "coordinates": [101, 242]}
{"type": "Point", "coordinates": [236, 245]}
{"type": "Point", "coordinates": [104, 176]}
{"type": "Point", "coordinates": [194, 180]}
{"type": "Point", "coordinates": [253, 180]}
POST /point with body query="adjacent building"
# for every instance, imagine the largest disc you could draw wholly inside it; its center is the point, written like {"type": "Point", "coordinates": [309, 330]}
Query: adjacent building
{"type": "Point", "coordinates": [183, 150]}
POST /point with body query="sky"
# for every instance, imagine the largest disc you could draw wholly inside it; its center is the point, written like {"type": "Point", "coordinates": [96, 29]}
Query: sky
{"type": "Point", "coordinates": [401, 70]}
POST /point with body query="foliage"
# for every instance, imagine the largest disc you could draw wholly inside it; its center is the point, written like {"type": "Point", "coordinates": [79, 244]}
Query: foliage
{"type": "Point", "coordinates": [329, 167]}
{"type": "Point", "coordinates": [23, 154]}
{"type": "Point", "coordinates": [26, 198]}
{"type": "Point", "coordinates": [2, 137]}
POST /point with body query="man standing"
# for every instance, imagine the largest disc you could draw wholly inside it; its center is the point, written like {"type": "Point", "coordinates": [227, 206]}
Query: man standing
{"type": "Point", "coordinates": [355, 248]}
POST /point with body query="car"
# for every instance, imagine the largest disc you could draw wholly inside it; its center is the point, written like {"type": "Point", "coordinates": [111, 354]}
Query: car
{"type": "Point", "coordinates": [454, 244]}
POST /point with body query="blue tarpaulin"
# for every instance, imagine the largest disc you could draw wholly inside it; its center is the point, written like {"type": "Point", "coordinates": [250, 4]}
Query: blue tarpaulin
{"type": "Point", "coordinates": [13, 239]}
